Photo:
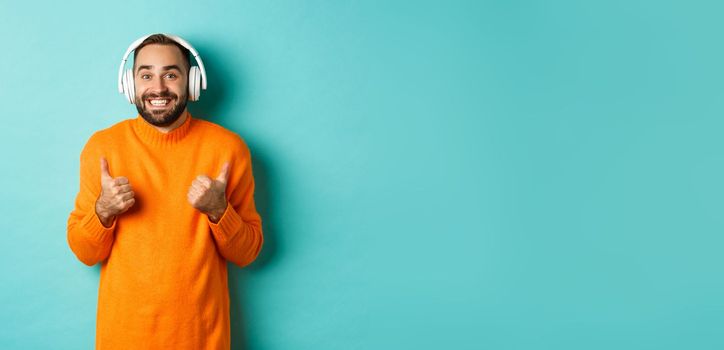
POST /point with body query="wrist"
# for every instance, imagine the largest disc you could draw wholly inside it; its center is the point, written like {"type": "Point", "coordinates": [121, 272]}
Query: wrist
{"type": "Point", "coordinates": [105, 217]}
{"type": "Point", "coordinates": [106, 221]}
{"type": "Point", "coordinates": [215, 215]}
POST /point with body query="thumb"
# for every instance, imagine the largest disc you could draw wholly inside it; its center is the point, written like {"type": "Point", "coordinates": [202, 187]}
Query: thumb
{"type": "Point", "coordinates": [224, 174]}
{"type": "Point", "coordinates": [105, 174]}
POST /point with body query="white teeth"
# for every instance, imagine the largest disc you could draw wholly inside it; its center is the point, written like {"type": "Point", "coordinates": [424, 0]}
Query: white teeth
{"type": "Point", "coordinates": [159, 102]}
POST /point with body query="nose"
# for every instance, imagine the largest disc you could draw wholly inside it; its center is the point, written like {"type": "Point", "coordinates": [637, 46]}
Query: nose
{"type": "Point", "coordinates": [158, 85]}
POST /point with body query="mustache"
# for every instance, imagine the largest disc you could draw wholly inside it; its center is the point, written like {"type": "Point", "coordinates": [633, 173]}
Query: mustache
{"type": "Point", "coordinates": [164, 95]}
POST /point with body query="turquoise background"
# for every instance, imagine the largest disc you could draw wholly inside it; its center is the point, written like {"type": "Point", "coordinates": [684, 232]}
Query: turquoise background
{"type": "Point", "coordinates": [458, 174]}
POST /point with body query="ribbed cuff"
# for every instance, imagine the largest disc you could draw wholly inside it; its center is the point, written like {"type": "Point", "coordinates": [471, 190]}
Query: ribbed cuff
{"type": "Point", "coordinates": [92, 225]}
{"type": "Point", "coordinates": [228, 226]}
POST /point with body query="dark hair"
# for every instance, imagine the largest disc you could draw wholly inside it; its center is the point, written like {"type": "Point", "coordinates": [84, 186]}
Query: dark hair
{"type": "Point", "coordinates": [162, 40]}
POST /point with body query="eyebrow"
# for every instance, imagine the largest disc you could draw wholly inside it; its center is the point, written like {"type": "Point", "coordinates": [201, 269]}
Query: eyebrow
{"type": "Point", "coordinates": [173, 66]}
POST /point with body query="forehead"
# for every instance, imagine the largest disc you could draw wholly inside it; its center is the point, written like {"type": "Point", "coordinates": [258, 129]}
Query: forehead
{"type": "Point", "coordinates": [159, 55]}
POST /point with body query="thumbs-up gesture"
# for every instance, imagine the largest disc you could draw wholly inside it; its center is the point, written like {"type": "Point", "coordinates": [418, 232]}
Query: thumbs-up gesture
{"type": "Point", "coordinates": [115, 198]}
{"type": "Point", "coordinates": [209, 195]}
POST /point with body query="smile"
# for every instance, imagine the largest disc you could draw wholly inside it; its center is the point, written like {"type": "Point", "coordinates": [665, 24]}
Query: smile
{"type": "Point", "coordinates": [159, 102]}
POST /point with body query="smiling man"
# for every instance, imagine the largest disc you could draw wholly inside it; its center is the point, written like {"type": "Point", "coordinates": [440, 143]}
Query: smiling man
{"type": "Point", "coordinates": [161, 107]}
{"type": "Point", "coordinates": [165, 200]}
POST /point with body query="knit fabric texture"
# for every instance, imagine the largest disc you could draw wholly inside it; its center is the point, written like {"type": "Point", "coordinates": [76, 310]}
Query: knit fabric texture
{"type": "Point", "coordinates": [163, 274]}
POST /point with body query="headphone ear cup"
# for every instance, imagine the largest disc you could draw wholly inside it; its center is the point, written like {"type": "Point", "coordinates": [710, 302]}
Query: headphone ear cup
{"type": "Point", "coordinates": [129, 88]}
{"type": "Point", "coordinates": [194, 83]}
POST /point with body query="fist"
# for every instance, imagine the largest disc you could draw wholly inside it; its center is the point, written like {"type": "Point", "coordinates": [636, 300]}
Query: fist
{"type": "Point", "coordinates": [116, 196]}
{"type": "Point", "coordinates": [209, 195]}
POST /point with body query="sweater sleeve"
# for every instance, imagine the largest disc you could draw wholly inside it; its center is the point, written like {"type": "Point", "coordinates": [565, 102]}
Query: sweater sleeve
{"type": "Point", "coordinates": [238, 234]}
{"type": "Point", "coordinates": [89, 240]}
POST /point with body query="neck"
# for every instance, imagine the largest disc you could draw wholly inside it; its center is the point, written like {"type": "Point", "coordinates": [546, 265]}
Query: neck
{"type": "Point", "coordinates": [176, 124]}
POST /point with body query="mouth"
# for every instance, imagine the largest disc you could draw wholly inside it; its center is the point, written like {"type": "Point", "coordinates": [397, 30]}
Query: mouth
{"type": "Point", "coordinates": [159, 103]}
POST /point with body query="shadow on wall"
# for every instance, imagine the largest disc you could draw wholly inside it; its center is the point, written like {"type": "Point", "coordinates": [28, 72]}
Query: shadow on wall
{"type": "Point", "coordinates": [221, 90]}
{"type": "Point", "coordinates": [237, 276]}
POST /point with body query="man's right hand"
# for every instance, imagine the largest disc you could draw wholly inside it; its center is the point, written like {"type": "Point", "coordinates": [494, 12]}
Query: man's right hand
{"type": "Point", "coordinates": [116, 196]}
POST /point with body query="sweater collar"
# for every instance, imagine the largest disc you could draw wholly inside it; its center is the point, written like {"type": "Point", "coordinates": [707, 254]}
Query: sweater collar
{"type": "Point", "coordinates": [152, 136]}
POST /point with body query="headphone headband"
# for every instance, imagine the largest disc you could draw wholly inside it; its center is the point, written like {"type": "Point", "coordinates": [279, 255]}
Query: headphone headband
{"type": "Point", "coordinates": [175, 38]}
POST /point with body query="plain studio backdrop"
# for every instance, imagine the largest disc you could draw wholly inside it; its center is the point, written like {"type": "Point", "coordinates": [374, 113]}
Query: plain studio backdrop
{"type": "Point", "coordinates": [452, 174]}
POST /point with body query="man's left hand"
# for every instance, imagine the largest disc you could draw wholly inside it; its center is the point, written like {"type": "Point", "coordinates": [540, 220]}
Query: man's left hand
{"type": "Point", "coordinates": [209, 195]}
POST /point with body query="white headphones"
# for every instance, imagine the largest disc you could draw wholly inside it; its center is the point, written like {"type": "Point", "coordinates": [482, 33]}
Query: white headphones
{"type": "Point", "coordinates": [197, 74]}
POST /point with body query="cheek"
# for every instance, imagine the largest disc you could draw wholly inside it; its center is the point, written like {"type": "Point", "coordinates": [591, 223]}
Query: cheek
{"type": "Point", "coordinates": [180, 88]}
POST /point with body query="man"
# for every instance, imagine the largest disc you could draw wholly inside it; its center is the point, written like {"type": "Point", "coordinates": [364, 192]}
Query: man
{"type": "Point", "coordinates": [160, 227]}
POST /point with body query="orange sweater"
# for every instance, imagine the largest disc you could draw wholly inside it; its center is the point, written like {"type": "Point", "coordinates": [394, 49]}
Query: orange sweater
{"type": "Point", "coordinates": [163, 282]}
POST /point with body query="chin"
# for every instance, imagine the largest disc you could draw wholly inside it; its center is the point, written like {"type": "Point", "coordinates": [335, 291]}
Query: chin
{"type": "Point", "coordinates": [164, 118]}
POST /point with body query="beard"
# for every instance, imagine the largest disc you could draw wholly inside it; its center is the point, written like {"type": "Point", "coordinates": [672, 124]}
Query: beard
{"type": "Point", "coordinates": [161, 117]}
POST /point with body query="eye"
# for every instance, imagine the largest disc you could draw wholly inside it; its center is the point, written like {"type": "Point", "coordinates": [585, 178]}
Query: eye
{"type": "Point", "coordinates": [145, 76]}
{"type": "Point", "coordinates": [171, 75]}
